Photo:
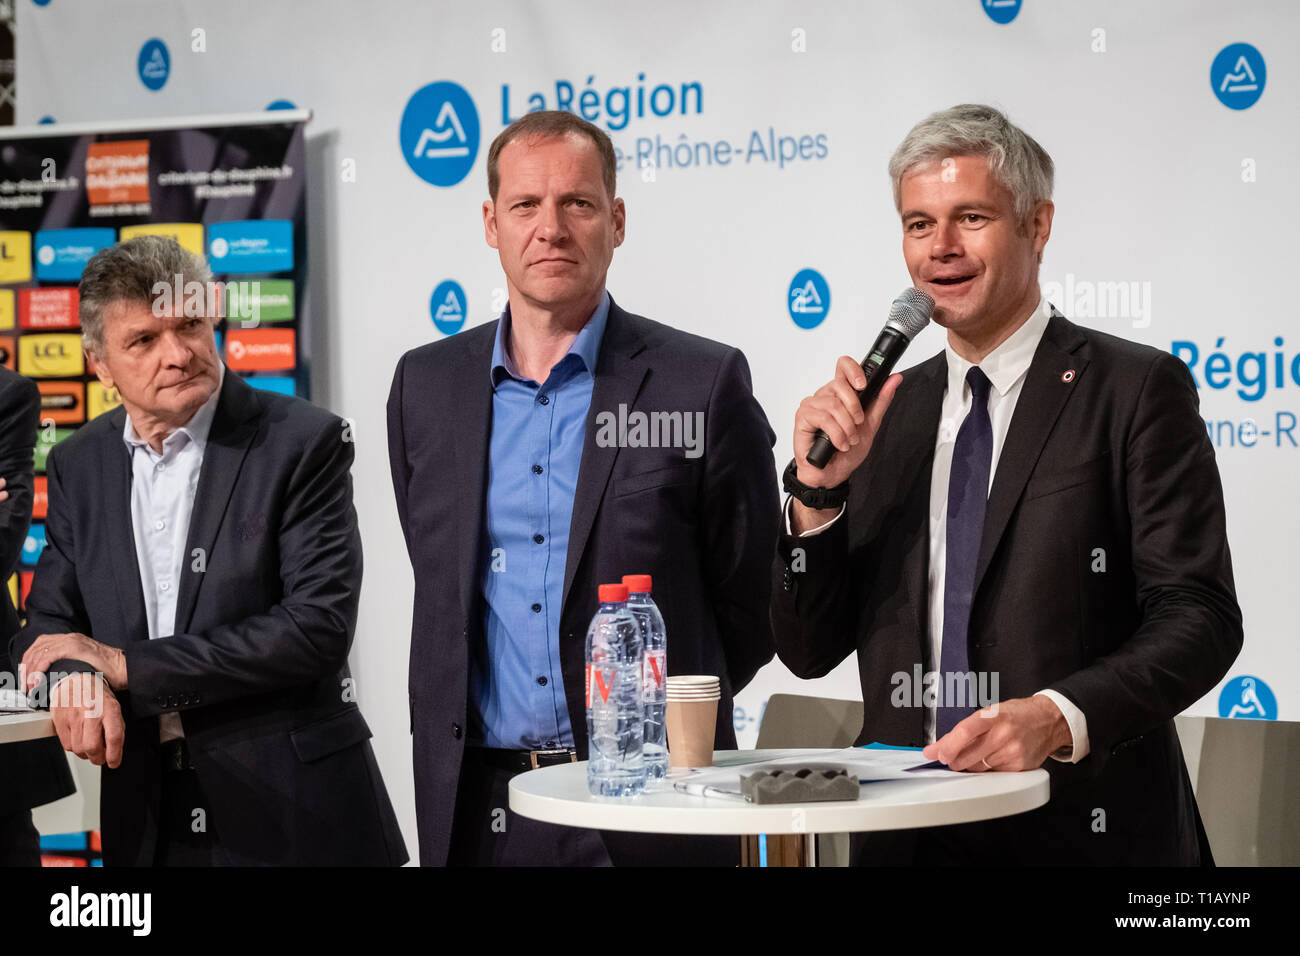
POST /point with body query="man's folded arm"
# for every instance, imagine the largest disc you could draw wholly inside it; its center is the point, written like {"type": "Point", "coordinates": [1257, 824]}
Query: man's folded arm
{"type": "Point", "coordinates": [815, 614]}
{"type": "Point", "coordinates": [20, 408]}
{"type": "Point", "coordinates": [307, 634]}
{"type": "Point", "coordinates": [397, 463]}
{"type": "Point", "coordinates": [1191, 627]}
{"type": "Point", "coordinates": [739, 515]}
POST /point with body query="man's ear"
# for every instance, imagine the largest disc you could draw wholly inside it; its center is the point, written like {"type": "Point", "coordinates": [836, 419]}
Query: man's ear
{"type": "Point", "coordinates": [96, 363]}
{"type": "Point", "coordinates": [1041, 224]}
{"type": "Point", "coordinates": [490, 222]}
{"type": "Point", "coordinates": [620, 222]}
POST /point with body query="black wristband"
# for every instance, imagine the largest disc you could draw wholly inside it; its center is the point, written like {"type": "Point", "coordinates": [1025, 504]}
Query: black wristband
{"type": "Point", "coordinates": [817, 498]}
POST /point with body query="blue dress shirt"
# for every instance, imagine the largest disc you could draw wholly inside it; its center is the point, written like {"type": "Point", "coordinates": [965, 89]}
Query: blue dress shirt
{"type": "Point", "coordinates": [516, 689]}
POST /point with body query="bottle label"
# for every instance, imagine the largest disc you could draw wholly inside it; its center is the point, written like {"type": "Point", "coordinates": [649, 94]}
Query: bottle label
{"type": "Point", "coordinates": [654, 673]}
{"type": "Point", "coordinates": [602, 681]}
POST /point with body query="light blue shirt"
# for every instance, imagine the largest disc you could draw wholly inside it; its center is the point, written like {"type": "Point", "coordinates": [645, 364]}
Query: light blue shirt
{"type": "Point", "coordinates": [517, 698]}
{"type": "Point", "coordinates": [162, 500]}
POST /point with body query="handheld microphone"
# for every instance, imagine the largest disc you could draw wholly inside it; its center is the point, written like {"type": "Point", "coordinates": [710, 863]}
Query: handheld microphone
{"type": "Point", "coordinates": [909, 314]}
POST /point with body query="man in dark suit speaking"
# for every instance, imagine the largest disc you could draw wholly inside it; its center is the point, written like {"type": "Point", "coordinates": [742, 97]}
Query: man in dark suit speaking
{"type": "Point", "coordinates": [1037, 523]}
{"type": "Point", "coordinates": [523, 482]}
{"type": "Point", "coordinates": [32, 772]}
{"type": "Point", "coordinates": [199, 589]}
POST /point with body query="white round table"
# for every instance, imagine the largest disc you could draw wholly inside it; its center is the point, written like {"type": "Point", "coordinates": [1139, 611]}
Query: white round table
{"type": "Point", "coordinates": [558, 794]}
{"type": "Point", "coordinates": [28, 726]}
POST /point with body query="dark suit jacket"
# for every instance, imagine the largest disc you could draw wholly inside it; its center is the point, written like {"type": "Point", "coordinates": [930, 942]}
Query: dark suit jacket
{"type": "Point", "coordinates": [33, 772]}
{"type": "Point", "coordinates": [1117, 459]}
{"type": "Point", "coordinates": [264, 620]}
{"type": "Point", "coordinates": [704, 527]}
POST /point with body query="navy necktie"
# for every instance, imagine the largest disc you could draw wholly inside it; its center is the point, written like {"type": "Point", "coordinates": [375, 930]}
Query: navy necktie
{"type": "Point", "coordinates": [968, 495]}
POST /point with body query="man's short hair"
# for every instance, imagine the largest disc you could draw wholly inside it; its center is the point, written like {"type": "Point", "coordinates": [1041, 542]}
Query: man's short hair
{"type": "Point", "coordinates": [128, 272]}
{"type": "Point", "coordinates": [972, 129]}
{"type": "Point", "coordinates": [548, 124]}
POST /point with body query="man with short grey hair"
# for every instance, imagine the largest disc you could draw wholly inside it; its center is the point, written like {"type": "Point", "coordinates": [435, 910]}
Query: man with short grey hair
{"type": "Point", "coordinates": [197, 596]}
{"type": "Point", "coordinates": [1023, 538]}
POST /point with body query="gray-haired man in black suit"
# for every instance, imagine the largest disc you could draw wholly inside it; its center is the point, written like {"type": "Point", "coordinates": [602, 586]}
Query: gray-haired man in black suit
{"type": "Point", "coordinates": [199, 586]}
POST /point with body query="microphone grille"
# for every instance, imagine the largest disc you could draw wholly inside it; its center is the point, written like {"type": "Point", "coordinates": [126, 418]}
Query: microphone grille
{"type": "Point", "coordinates": [911, 312]}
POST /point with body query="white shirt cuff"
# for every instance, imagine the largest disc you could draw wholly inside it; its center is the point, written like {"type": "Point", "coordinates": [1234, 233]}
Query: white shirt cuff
{"type": "Point", "coordinates": [811, 531]}
{"type": "Point", "coordinates": [1078, 727]}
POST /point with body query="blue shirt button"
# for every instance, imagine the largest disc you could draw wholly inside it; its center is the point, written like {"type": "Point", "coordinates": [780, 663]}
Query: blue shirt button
{"type": "Point", "coordinates": [537, 469]}
{"type": "Point", "coordinates": [545, 400]}
{"type": "Point", "coordinates": [538, 538]}
{"type": "Point", "coordinates": [537, 609]}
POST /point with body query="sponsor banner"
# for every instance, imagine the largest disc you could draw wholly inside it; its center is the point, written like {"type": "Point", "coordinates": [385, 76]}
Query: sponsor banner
{"type": "Point", "coordinates": [7, 320]}
{"type": "Point", "coordinates": [272, 383]}
{"type": "Point", "coordinates": [117, 172]}
{"type": "Point", "coordinates": [50, 356]}
{"type": "Point", "coordinates": [188, 234]}
{"type": "Point", "coordinates": [63, 403]}
{"type": "Point", "coordinates": [61, 254]}
{"type": "Point", "coordinates": [15, 256]}
{"type": "Point", "coordinates": [49, 308]}
{"type": "Point", "coordinates": [100, 399]}
{"type": "Point", "coordinates": [40, 498]}
{"type": "Point", "coordinates": [251, 246]}
{"type": "Point", "coordinates": [33, 545]}
{"type": "Point", "coordinates": [260, 350]}
{"type": "Point", "coordinates": [46, 439]}
{"type": "Point", "coordinates": [8, 358]}
{"type": "Point", "coordinates": [269, 300]}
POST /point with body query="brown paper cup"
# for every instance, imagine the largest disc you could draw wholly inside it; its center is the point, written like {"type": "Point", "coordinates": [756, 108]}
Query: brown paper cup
{"type": "Point", "coordinates": [691, 726]}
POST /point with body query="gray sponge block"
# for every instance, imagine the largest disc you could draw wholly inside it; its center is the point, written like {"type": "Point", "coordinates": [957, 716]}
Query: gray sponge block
{"type": "Point", "coordinates": [799, 785]}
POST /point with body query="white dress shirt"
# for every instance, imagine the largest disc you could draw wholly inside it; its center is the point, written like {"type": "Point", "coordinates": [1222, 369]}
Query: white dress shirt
{"type": "Point", "coordinates": [1006, 367]}
{"type": "Point", "coordinates": [162, 499]}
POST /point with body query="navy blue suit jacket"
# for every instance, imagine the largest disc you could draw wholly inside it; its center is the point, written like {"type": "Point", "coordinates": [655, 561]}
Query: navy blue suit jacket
{"type": "Point", "coordinates": [704, 528]}
{"type": "Point", "coordinates": [257, 666]}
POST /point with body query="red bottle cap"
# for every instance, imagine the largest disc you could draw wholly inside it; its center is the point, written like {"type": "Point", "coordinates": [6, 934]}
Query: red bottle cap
{"type": "Point", "coordinates": [637, 583]}
{"type": "Point", "coordinates": [608, 593]}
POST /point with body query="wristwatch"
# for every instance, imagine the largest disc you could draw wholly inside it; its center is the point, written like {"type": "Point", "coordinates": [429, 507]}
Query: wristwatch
{"type": "Point", "coordinates": [817, 498]}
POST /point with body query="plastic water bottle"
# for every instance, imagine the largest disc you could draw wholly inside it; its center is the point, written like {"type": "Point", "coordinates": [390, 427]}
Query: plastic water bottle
{"type": "Point", "coordinates": [615, 716]}
{"type": "Point", "coordinates": [654, 678]}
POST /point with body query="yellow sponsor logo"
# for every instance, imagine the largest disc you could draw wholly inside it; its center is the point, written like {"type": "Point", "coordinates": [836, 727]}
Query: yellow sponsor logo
{"type": "Point", "coordinates": [100, 399]}
{"type": "Point", "coordinates": [45, 356]}
{"type": "Point", "coordinates": [6, 308]}
{"type": "Point", "coordinates": [15, 256]}
{"type": "Point", "coordinates": [188, 234]}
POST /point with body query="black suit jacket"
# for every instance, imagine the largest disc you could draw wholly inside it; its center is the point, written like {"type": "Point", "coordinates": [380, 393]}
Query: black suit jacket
{"type": "Point", "coordinates": [33, 772]}
{"type": "Point", "coordinates": [703, 528]}
{"type": "Point", "coordinates": [264, 620]}
{"type": "Point", "coordinates": [1110, 463]}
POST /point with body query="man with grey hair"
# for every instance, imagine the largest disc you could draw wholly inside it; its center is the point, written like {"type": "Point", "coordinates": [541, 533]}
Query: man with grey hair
{"type": "Point", "coordinates": [1030, 525]}
{"type": "Point", "coordinates": [196, 600]}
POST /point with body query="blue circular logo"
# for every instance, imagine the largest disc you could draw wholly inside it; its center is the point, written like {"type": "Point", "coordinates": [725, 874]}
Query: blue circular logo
{"type": "Point", "coordinates": [448, 307]}
{"type": "Point", "coordinates": [154, 64]}
{"type": "Point", "coordinates": [45, 120]}
{"type": "Point", "coordinates": [1001, 11]}
{"type": "Point", "coordinates": [1237, 76]}
{"type": "Point", "coordinates": [439, 133]}
{"type": "Point", "coordinates": [1247, 697]}
{"type": "Point", "coordinates": [809, 298]}
{"type": "Point", "coordinates": [41, 3]}
{"type": "Point", "coordinates": [281, 105]}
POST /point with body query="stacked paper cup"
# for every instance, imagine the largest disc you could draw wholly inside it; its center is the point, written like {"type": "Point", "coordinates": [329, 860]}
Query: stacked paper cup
{"type": "Point", "coordinates": [692, 717]}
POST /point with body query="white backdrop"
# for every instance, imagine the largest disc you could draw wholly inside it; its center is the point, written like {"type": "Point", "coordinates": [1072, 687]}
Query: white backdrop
{"type": "Point", "coordinates": [1172, 209]}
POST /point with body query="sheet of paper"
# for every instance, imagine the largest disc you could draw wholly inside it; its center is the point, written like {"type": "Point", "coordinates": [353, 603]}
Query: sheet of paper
{"type": "Point", "coordinates": [869, 766]}
{"type": "Point", "coordinates": [13, 701]}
